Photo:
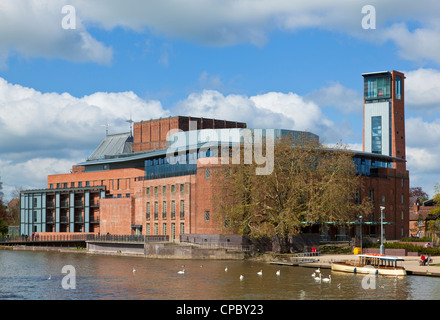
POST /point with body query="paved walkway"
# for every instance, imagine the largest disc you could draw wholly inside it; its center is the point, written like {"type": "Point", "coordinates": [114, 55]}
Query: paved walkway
{"type": "Point", "coordinates": [411, 264]}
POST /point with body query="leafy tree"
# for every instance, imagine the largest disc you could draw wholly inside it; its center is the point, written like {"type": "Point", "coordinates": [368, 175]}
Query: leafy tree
{"type": "Point", "coordinates": [309, 183]}
{"type": "Point", "coordinates": [432, 223]}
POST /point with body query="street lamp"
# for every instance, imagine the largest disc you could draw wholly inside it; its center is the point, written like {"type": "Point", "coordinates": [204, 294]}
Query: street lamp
{"type": "Point", "coordinates": [381, 230]}
{"type": "Point", "coordinates": [360, 217]}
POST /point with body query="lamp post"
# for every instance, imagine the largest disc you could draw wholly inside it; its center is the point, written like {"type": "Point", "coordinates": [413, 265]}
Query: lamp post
{"type": "Point", "coordinates": [360, 217]}
{"type": "Point", "coordinates": [381, 230]}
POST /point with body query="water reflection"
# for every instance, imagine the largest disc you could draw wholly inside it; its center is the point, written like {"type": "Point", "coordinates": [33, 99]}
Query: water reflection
{"type": "Point", "coordinates": [24, 275]}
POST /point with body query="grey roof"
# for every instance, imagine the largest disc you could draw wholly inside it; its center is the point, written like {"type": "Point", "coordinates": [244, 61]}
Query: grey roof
{"type": "Point", "coordinates": [114, 144]}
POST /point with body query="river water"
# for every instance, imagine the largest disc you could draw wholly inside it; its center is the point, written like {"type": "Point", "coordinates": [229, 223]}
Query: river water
{"type": "Point", "coordinates": [28, 275]}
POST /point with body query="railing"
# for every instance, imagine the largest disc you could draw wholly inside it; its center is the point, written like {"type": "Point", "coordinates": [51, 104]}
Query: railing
{"type": "Point", "coordinates": [221, 245]}
{"type": "Point", "coordinates": [84, 237]}
{"type": "Point", "coordinates": [305, 257]}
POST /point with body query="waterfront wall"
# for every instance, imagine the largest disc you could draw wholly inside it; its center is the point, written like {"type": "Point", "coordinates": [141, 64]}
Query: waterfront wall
{"type": "Point", "coordinates": [176, 251]}
{"type": "Point", "coordinates": [391, 252]}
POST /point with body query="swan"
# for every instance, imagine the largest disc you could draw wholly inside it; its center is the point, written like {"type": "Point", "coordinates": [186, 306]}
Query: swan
{"type": "Point", "coordinates": [181, 271]}
{"type": "Point", "coordinates": [318, 278]}
{"type": "Point", "coordinates": [260, 272]}
{"type": "Point", "coordinates": [226, 269]}
{"type": "Point", "coordinates": [318, 270]}
{"type": "Point", "coordinates": [278, 272]}
{"type": "Point", "coordinates": [313, 274]}
{"type": "Point", "coordinates": [241, 277]}
{"type": "Point", "coordinates": [329, 279]}
{"type": "Point", "coordinates": [134, 270]}
{"type": "Point", "coordinates": [50, 277]}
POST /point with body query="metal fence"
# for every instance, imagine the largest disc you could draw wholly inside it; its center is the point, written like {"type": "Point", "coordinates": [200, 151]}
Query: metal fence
{"type": "Point", "coordinates": [83, 237]}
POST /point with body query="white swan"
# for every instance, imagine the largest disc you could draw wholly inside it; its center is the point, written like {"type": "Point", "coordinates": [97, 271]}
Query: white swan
{"type": "Point", "coordinates": [181, 271]}
{"type": "Point", "coordinates": [226, 269]}
{"type": "Point", "coordinates": [260, 273]}
{"type": "Point", "coordinates": [134, 270]}
{"type": "Point", "coordinates": [313, 274]}
{"type": "Point", "coordinates": [329, 279]}
{"type": "Point", "coordinates": [278, 273]}
{"type": "Point", "coordinates": [241, 277]}
{"type": "Point", "coordinates": [319, 278]}
{"type": "Point", "coordinates": [318, 270]}
{"type": "Point", "coordinates": [50, 277]}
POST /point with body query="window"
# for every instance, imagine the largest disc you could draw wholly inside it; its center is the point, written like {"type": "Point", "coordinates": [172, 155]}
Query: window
{"type": "Point", "coordinates": [398, 86]}
{"type": "Point", "coordinates": [403, 215]}
{"type": "Point", "coordinates": [182, 209]}
{"type": "Point", "coordinates": [376, 134]}
{"type": "Point", "coordinates": [87, 183]}
{"type": "Point", "coordinates": [207, 173]}
{"type": "Point", "coordinates": [148, 191]}
{"type": "Point", "coordinates": [156, 191]}
{"type": "Point", "coordinates": [173, 188]}
{"type": "Point", "coordinates": [173, 209]}
{"type": "Point", "coordinates": [148, 229]}
{"type": "Point", "coordinates": [164, 210]}
{"type": "Point", "coordinates": [207, 215]}
{"type": "Point", "coordinates": [182, 188]}
{"type": "Point", "coordinates": [80, 184]}
{"type": "Point", "coordinates": [383, 198]}
{"type": "Point", "coordinates": [156, 210]}
{"type": "Point", "coordinates": [182, 228]}
{"type": "Point", "coordinates": [164, 190]}
{"type": "Point", "coordinates": [377, 88]}
{"type": "Point", "coordinates": [164, 229]}
{"type": "Point", "coordinates": [402, 198]}
{"type": "Point", "coordinates": [372, 195]}
{"type": "Point", "coordinates": [357, 196]}
{"type": "Point", "coordinates": [148, 211]}
{"type": "Point", "coordinates": [156, 229]}
{"type": "Point", "coordinates": [173, 230]}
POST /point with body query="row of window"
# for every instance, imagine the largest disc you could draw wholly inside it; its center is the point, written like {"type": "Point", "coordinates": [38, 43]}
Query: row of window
{"type": "Point", "coordinates": [114, 184]}
{"type": "Point", "coordinates": [164, 230]}
{"type": "Point", "coordinates": [155, 190]}
{"type": "Point", "coordinates": [165, 210]}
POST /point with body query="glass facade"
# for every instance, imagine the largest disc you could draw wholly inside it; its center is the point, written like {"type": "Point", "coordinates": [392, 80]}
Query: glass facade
{"type": "Point", "coordinates": [365, 166]}
{"type": "Point", "coordinates": [376, 134]}
{"type": "Point", "coordinates": [398, 87]}
{"type": "Point", "coordinates": [377, 87]}
{"type": "Point", "coordinates": [179, 165]}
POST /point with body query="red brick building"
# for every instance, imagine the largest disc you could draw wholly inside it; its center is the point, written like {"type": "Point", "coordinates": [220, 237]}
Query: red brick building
{"type": "Point", "coordinates": [134, 184]}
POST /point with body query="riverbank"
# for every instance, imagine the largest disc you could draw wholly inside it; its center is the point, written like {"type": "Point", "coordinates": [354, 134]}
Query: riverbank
{"type": "Point", "coordinates": [411, 263]}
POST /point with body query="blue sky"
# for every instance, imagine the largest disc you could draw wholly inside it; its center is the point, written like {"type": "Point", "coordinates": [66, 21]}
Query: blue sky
{"type": "Point", "coordinates": [271, 64]}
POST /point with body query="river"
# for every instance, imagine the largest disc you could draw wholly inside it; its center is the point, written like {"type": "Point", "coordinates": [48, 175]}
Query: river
{"type": "Point", "coordinates": [32, 275]}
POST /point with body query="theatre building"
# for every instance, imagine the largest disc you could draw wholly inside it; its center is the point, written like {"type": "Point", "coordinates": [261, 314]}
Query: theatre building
{"type": "Point", "coordinates": [157, 179]}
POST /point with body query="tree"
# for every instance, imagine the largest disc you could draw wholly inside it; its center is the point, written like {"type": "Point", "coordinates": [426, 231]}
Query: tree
{"type": "Point", "coordinates": [416, 193]}
{"type": "Point", "coordinates": [309, 184]}
{"type": "Point", "coordinates": [432, 222]}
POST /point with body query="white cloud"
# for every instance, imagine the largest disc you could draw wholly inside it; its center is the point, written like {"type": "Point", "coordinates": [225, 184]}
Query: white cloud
{"type": "Point", "coordinates": [423, 152]}
{"type": "Point", "coordinates": [34, 29]}
{"type": "Point", "coordinates": [422, 89]}
{"type": "Point", "coordinates": [46, 133]}
{"type": "Point", "coordinates": [420, 45]}
{"type": "Point", "coordinates": [336, 95]}
{"type": "Point", "coordinates": [269, 110]}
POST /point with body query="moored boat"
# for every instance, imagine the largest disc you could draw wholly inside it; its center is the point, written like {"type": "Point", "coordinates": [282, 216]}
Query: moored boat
{"type": "Point", "coordinates": [372, 264]}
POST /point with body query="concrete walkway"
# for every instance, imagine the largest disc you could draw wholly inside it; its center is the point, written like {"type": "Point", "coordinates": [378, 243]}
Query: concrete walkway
{"type": "Point", "coordinates": [411, 264]}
